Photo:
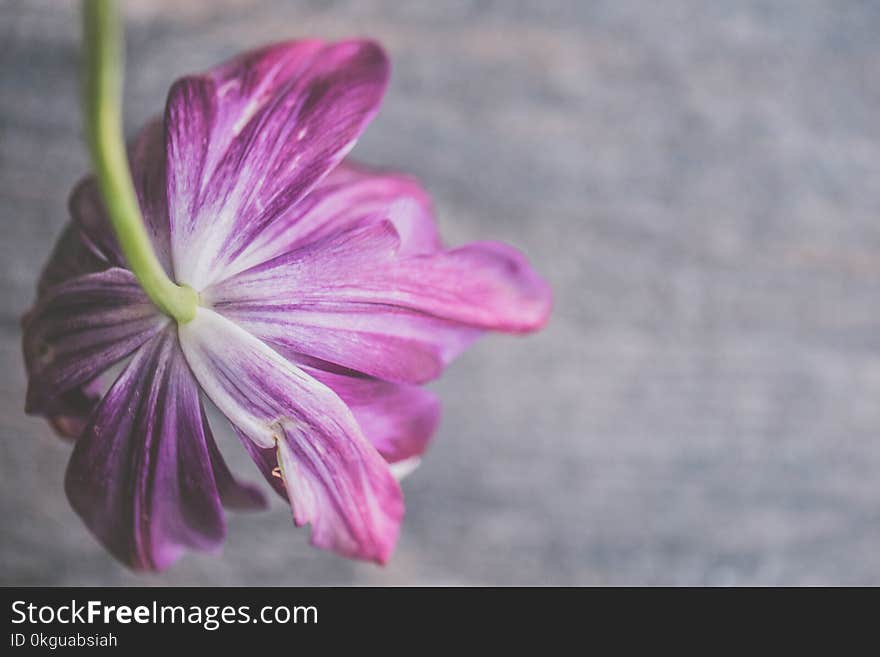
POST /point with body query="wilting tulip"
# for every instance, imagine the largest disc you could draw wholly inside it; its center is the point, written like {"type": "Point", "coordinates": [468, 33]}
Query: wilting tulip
{"type": "Point", "coordinates": [322, 298]}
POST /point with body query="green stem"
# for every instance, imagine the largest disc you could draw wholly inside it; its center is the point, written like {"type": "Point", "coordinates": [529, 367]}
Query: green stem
{"type": "Point", "coordinates": [104, 54]}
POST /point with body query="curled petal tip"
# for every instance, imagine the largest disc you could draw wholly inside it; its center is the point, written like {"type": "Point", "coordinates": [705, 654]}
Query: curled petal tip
{"type": "Point", "coordinates": [532, 298]}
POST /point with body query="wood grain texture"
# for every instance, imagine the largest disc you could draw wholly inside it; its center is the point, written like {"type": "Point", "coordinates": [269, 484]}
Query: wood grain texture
{"type": "Point", "coordinates": [700, 181]}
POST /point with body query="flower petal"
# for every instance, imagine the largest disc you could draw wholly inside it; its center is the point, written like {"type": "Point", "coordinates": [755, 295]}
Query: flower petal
{"type": "Point", "coordinates": [147, 160]}
{"type": "Point", "coordinates": [79, 329]}
{"type": "Point", "coordinates": [334, 478]}
{"type": "Point", "coordinates": [87, 246]}
{"type": "Point", "coordinates": [73, 408]}
{"type": "Point", "coordinates": [141, 475]}
{"type": "Point", "coordinates": [398, 419]}
{"type": "Point", "coordinates": [71, 257]}
{"type": "Point", "coordinates": [356, 300]}
{"type": "Point", "coordinates": [383, 342]}
{"type": "Point", "coordinates": [249, 139]}
{"type": "Point", "coordinates": [349, 194]}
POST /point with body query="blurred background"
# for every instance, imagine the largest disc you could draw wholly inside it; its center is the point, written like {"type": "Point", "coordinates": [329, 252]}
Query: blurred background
{"type": "Point", "coordinates": [700, 183]}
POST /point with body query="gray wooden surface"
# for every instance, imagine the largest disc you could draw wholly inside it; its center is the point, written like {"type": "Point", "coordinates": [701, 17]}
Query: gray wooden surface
{"type": "Point", "coordinates": [700, 181]}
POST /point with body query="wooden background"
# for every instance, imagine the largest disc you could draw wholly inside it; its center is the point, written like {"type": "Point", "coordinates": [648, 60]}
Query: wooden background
{"type": "Point", "coordinates": [700, 181]}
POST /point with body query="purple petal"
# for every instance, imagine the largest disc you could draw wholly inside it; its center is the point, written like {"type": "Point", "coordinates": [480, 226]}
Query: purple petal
{"type": "Point", "coordinates": [398, 419]}
{"type": "Point", "coordinates": [71, 257]}
{"type": "Point", "coordinates": [147, 160]}
{"type": "Point", "coordinates": [141, 475]}
{"type": "Point", "coordinates": [334, 478]}
{"type": "Point", "coordinates": [356, 300]}
{"type": "Point", "coordinates": [383, 342]}
{"type": "Point", "coordinates": [349, 194]}
{"type": "Point", "coordinates": [249, 139]}
{"type": "Point", "coordinates": [73, 408]}
{"type": "Point", "coordinates": [88, 246]}
{"type": "Point", "coordinates": [78, 330]}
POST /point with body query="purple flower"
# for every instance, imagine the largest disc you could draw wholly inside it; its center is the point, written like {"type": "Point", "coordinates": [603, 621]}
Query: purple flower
{"type": "Point", "coordinates": [325, 294]}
